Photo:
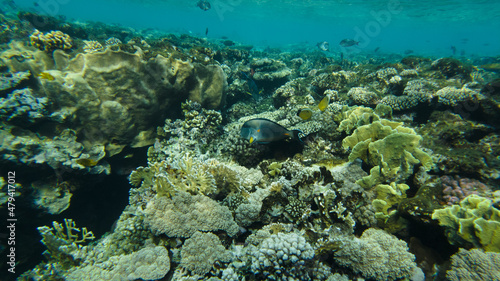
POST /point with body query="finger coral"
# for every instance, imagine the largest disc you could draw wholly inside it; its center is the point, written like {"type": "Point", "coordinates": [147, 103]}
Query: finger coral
{"type": "Point", "coordinates": [51, 40]}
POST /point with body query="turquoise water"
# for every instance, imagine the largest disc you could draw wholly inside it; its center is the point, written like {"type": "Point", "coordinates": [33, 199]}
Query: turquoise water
{"type": "Point", "coordinates": [453, 77]}
{"type": "Point", "coordinates": [425, 27]}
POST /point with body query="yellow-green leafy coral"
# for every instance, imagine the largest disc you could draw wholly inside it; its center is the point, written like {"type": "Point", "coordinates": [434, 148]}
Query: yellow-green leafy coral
{"type": "Point", "coordinates": [390, 148]}
{"type": "Point", "coordinates": [475, 221]}
{"type": "Point", "coordinates": [351, 119]}
{"type": "Point", "coordinates": [388, 195]}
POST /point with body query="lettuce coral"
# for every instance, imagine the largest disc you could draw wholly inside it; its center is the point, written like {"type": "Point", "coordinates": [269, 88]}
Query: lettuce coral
{"type": "Point", "coordinates": [475, 221]}
{"type": "Point", "coordinates": [391, 149]}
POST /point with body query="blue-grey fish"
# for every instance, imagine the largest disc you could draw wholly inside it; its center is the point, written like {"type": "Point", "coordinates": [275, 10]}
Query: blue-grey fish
{"type": "Point", "coordinates": [262, 131]}
{"type": "Point", "coordinates": [348, 43]}
{"type": "Point", "coordinates": [204, 5]}
{"type": "Point", "coordinates": [323, 46]}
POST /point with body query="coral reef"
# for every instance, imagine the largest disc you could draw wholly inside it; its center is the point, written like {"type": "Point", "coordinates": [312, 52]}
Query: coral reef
{"type": "Point", "coordinates": [391, 142]}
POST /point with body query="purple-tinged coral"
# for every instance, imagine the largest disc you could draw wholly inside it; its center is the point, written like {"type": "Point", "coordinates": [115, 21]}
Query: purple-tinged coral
{"type": "Point", "coordinates": [456, 188]}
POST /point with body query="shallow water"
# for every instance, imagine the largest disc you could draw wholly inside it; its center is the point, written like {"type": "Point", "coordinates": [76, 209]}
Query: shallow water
{"type": "Point", "coordinates": [425, 27]}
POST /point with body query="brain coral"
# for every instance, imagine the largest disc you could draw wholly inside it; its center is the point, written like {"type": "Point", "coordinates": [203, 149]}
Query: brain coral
{"type": "Point", "coordinates": [376, 255]}
{"type": "Point", "coordinates": [184, 214]}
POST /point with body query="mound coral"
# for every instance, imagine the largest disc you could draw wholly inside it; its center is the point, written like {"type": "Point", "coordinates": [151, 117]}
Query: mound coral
{"type": "Point", "coordinates": [201, 251]}
{"type": "Point", "coordinates": [150, 263]}
{"type": "Point", "coordinates": [376, 255]}
{"type": "Point", "coordinates": [185, 214]}
{"type": "Point", "coordinates": [474, 265]}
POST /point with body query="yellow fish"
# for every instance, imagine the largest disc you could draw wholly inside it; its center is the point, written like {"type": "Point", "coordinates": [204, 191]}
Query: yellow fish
{"type": "Point", "coordinates": [86, 162]}
{"type": "Point", "coordinates": [305, 113]}
{"type": "Point", "coordinates": [323, 104]}
{"type": "Point", "coordinates": [491, 67]}
{"type": "Point", "coordinates": [46, 76]}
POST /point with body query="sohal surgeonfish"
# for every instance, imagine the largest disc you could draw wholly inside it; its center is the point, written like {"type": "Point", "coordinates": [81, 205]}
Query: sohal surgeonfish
{"type": "Point", "coordinates": [262, 131]}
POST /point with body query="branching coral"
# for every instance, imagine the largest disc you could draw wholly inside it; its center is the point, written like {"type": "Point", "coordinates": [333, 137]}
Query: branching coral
{"type": "Point", "coordinates": [51, 40]}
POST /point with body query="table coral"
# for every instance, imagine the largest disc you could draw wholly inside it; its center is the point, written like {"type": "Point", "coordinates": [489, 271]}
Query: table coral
{"type": "Point", "coordinates": [451, 96]}
{"type": "Point", "coordinates": [185, 214]}
{"type": "Point", "coordinates": [362, 96]}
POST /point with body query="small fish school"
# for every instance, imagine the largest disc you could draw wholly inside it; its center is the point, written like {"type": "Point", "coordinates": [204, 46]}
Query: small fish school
{"type": "Point", "coordinates": [307, 113]}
